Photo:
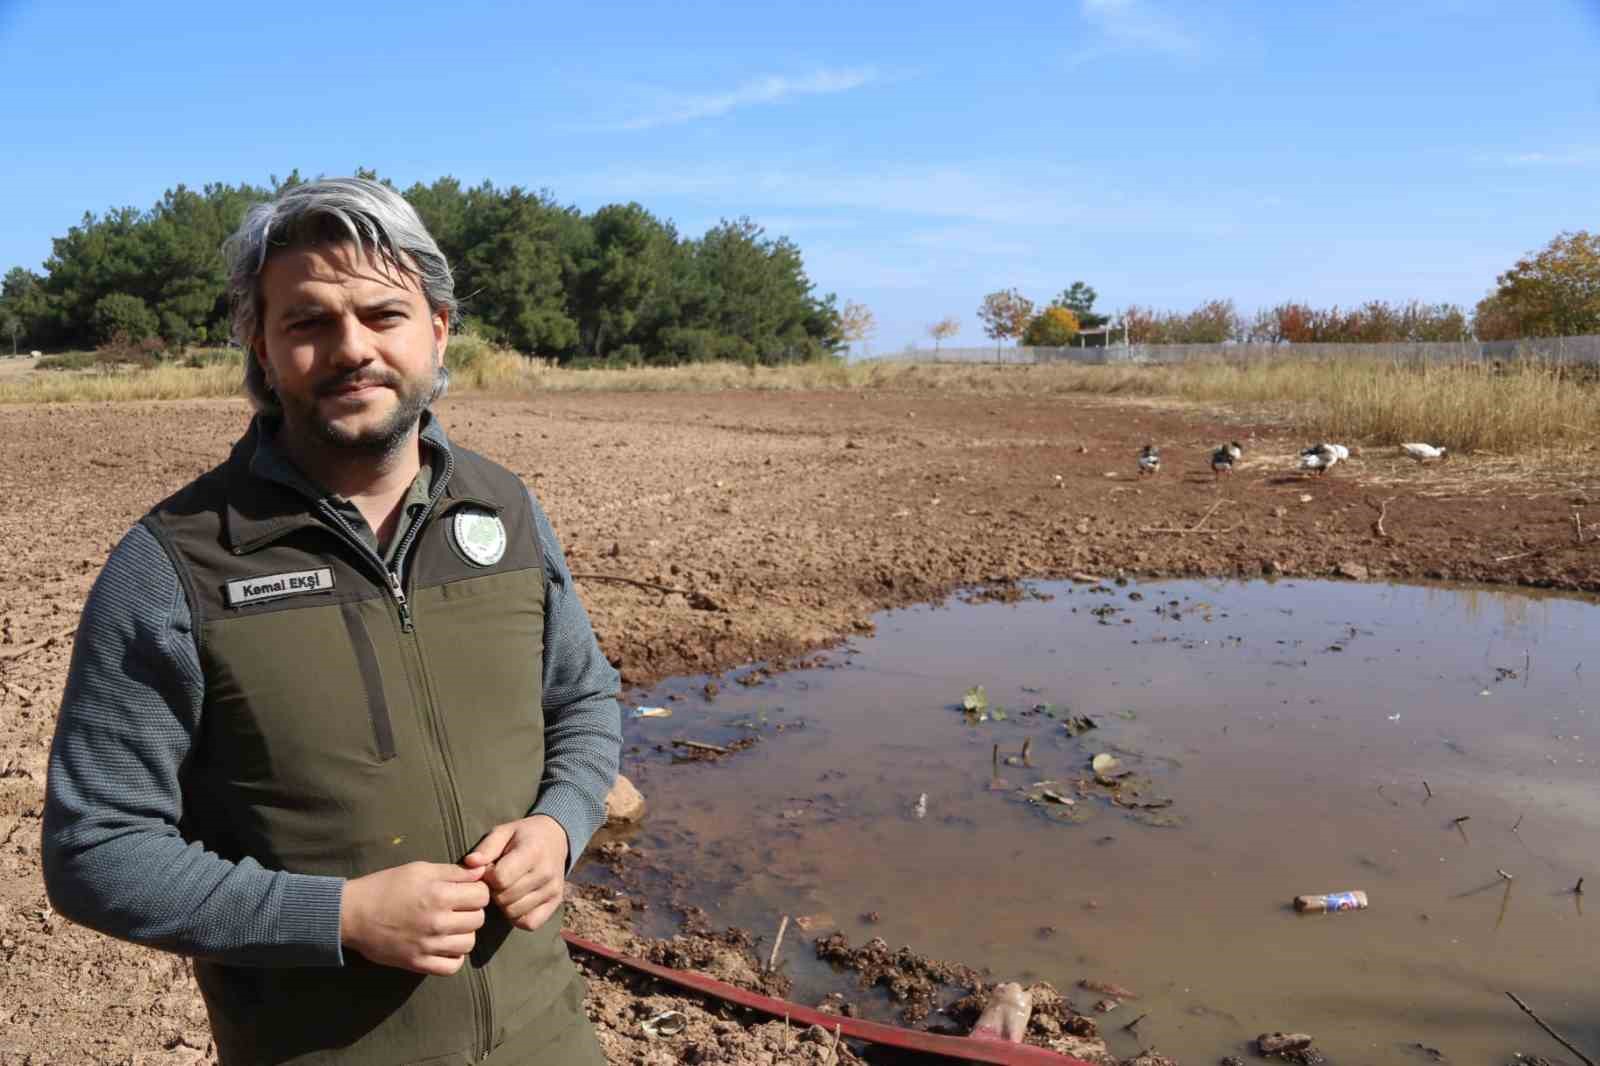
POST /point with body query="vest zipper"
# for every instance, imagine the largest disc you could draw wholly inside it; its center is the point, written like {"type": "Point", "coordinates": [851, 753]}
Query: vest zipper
{"type": "Point", "coordinates": [400, 600]}
{"type": "Point", "coordinates": [477, 982]}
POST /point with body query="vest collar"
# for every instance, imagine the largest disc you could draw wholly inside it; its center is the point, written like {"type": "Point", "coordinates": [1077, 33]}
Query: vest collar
{"type": "Point", "coordinates": [268, 498]}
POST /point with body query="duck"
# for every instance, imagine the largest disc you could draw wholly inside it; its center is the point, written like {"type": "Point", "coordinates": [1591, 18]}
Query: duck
{"type": "Point", "coordinates": [1423, 453]}
{"type": "Point", "coordinates": [1223, 458]}
{"type": "Point", "coordinates": [1149, 460]}
{"type": "Point", "coordinates": [1321, 458]}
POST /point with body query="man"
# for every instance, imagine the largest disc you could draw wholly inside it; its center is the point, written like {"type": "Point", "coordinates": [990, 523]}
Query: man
{"type": "Point", "coordinates": [336, 723]}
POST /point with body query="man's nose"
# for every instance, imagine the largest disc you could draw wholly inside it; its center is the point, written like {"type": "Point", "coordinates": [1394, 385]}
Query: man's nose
{"type": "Point", "coordinates": [353, 342]}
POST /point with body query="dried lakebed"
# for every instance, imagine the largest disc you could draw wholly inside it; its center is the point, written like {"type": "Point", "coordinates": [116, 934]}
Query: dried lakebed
{"type": "Point", "coordinates": [1409, 742]}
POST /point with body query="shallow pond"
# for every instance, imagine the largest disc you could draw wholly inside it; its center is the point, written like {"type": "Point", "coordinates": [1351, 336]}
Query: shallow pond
{"type": "Point", "coordinates": [1292, 725]}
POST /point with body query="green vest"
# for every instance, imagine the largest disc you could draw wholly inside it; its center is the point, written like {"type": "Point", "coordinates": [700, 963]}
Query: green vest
{"type": "Point", "coordinates": [354, 722]}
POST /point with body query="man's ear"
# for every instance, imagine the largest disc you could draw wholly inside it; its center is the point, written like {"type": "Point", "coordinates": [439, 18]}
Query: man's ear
{"type": "Point", "coordinates": [441, 331]}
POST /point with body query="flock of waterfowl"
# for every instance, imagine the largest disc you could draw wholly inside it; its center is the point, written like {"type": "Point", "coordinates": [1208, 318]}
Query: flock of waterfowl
{"type": "Point", "coordinates": [1317, 459]}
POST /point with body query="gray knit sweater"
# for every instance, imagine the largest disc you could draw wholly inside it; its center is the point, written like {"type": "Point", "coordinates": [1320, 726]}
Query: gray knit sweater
{"type": "Point", "coordinates": [114, 858]}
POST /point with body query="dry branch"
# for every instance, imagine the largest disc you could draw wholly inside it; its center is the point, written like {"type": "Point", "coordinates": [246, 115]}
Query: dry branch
{"type": "Point", "coordinates": [1383, 509]}
{"type": "Point", "coordinates": [633, 581]}
{"type": "Point", "coordinates": [1194, 528]}
{"type": "Point", "coordinates": [17, 653]}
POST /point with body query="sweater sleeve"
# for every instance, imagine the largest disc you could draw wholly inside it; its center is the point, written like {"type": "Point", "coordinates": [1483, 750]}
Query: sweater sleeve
{"type": "Point", "coordinates": [115, 858]}
{"type": "Point", "coordinates": [582, 722]}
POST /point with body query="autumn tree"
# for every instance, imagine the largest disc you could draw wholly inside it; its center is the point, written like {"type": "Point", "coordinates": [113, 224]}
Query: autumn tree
{"type": "Point", "coordinates": [1554, 292]}
{"type": "Point", "coordinates": [1054, 327]}
{"type": "Point", "coordinates": [944, 329]}
{"type": "Point", "coordinates": [857, 323]}
{"type": "Point", "coordinates": [1005, 315]}
{"type": "Point", "coordinates": [1079, 298]}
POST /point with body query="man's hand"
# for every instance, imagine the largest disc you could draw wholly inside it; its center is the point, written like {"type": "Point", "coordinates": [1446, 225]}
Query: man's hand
{"type": "Point", "coordinates": [421, 917]}
{"type": "Point", "coordinates": [526, 864]}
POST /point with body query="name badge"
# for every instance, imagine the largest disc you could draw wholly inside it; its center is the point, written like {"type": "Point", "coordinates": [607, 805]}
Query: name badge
{"type": "Point", "coordinates": [276, 586]}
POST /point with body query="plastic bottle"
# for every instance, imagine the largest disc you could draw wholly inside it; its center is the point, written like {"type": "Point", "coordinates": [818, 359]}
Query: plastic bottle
{"type": "Point", "coordinates": [1332, 901]}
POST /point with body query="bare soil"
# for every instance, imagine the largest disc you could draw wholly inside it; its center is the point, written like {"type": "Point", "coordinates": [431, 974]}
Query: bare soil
{"type": "Point", "coordinates": [784, 520]}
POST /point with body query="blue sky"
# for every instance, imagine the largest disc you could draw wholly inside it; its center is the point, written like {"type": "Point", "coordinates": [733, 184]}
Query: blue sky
{"type": "Point", "coordinates": [920, 154]}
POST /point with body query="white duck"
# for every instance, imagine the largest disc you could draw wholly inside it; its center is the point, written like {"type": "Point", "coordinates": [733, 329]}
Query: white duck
{"type": "Point", "coordinates": [1322, 457]}
{"type": "Point", "coordinates": [1149, 460]}
{"type": "Point", "coordinates": [1423, 453]}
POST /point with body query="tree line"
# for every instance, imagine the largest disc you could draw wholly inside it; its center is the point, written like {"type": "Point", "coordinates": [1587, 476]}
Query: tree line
{"type": "Point", "coordinates": [1554, 292]}
{"type": "Point", "coordinates": [617, 285]}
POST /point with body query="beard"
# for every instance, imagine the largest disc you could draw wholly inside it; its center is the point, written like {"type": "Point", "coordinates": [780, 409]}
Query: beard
{"type": "Point", "coordinates": [413, 395]}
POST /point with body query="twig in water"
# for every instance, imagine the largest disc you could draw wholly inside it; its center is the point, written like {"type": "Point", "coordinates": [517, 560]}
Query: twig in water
{"type": "Point", "coordinates": [1563, 1041]}
{"type": "Point", "coordinates": [1503, 874]}
{"type": "Point", "coordinates": [699, 746]}
{"type": "Point", "coordinates": [1129, 1027]}
{"type": "Point", "coordinates": [1577, 889]}
{"type": "Point", "coordinates": [1427, 789]}
{"type": "Point", "coordinates": [1520, 817]}
{"type": "Point", "coordinates": [995, 761]}
{"type": "Point", "coordinates": [1027, 746]}
{"type": "Point", "coordinates": [772, 960]}
{"type": "Point", "coordinates": [1463, 818]}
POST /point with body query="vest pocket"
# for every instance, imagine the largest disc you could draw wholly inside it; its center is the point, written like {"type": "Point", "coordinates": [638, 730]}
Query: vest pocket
{"type": "Point", "coordinates": [371, 681]}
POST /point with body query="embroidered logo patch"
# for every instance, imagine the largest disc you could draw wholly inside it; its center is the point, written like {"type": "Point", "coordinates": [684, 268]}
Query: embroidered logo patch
{"type": "Point", "coordinates": [480, 536]}
{"type": "Point", "coordinates": [276, 586]}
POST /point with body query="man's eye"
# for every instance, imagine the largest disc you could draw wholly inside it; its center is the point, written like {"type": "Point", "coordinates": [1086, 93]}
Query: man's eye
{"type": "Point", "coordinates": [303, 324]}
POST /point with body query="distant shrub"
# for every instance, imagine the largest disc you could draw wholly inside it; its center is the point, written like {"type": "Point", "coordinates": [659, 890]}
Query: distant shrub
{"type": "Point", "coordinates": [118, 314]}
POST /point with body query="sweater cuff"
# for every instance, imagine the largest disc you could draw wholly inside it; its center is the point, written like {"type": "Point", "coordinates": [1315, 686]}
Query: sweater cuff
{"type": "Point", "coordinates": [572, 810]}
{"type": "Point", "coordinates": [309, 915]}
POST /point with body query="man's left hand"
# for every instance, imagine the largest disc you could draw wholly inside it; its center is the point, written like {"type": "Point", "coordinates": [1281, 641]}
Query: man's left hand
{"type": "Point", "coordinates": [527, 862]}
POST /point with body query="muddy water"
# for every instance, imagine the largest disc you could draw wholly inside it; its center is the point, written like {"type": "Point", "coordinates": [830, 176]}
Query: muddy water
{"type": "Point", "coordinates": [1293, 725]}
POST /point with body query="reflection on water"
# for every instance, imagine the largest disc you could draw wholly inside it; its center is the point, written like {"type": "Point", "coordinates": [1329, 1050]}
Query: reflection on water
{"type": "Point", "coordinates": [1411, 742]}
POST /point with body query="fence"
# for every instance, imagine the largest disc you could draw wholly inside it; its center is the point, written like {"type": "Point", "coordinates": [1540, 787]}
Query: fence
{"type": "Point", "coordinates": [1570, 351]}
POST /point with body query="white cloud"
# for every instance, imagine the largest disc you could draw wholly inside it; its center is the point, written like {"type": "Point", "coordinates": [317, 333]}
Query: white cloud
{"type": "Point", "coordinates": [1136, 25]}
{"type": "Point", "coordinates": [677, 110]}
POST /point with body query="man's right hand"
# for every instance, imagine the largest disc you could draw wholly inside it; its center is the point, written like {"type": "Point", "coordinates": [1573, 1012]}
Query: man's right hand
{"type": "Point", "coordinates": [421, 917]}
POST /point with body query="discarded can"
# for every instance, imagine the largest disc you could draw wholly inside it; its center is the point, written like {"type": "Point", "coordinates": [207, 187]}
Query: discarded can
{"type": "Point", "coordinates": [651, 712]}
{"type": "Point", "coordinates": [1333, 901]}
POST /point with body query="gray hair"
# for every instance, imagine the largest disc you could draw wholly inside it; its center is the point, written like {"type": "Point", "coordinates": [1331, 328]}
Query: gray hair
{"type": "Point", "coordinates": [330, 211]}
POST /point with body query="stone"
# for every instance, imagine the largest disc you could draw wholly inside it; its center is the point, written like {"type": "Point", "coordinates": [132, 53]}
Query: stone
{"type": "Point", "coordinates": [624, 803]}
{"type": "Point", "coordinates": [1353, 571]}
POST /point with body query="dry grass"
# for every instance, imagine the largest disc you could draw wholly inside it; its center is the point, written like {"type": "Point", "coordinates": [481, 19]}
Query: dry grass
{"type": "Point", "coordinates": [1524, 407]}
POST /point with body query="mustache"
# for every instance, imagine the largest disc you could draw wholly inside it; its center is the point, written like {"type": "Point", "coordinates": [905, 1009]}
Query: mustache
{"type": "Point", "coordinates": [358, 379]}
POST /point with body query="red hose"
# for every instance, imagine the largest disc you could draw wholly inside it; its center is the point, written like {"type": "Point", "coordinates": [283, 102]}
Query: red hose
{"type": "Point", "coordinates": [955, 1047]}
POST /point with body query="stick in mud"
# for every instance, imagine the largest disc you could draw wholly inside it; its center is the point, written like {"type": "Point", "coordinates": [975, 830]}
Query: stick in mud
{"type": "Point", "coordinates": [1520, 817]}
{"type": "Point", "coordinates": [1563, 1041]}
{"type": "Point", "coordinates": [772, 960]}
{"type": "Point", "coordinates": [833, 1048]}
{"type": "Point", "coordinates": [1426, 789]}
{"type": "Point", "coordinates": [699, 746]}
{"type": "Point", "coordinates": [1577, 889]}
{"type": "Point", "coordinates": [1130, 1026]}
